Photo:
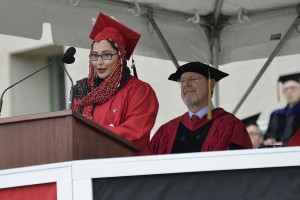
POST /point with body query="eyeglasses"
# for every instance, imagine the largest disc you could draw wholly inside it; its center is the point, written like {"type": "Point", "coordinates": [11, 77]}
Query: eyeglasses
{"type": "Point", "coordinates": [254, 133]}
{"type": "Point", "coordinates": [292, 89]}
{"type": "Point", "coordinates": [189, 80]}
{"type": "Point", "coordinates": [104, 56]}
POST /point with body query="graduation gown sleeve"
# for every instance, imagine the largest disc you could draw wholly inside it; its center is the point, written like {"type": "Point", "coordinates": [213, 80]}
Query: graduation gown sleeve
{"type": "Point", "coordinates": [227, 133]}
{"type": "Point", "coordinates": [162, 141]}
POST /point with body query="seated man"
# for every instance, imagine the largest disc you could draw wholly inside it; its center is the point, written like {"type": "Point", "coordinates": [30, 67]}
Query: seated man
{"type": "Point", "coordinates": [285, 122]}
{"type": "Point", "coordinates": [203, 127]}
{"type": "Point", "coordinates": [253, 130]}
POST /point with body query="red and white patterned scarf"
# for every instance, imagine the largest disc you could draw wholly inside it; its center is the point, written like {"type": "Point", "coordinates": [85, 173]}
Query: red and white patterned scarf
{"type": "Point", "coordinates": [106, 90]}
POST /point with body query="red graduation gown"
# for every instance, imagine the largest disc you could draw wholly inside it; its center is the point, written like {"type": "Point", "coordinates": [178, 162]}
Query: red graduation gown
{"type": "Point", "coordinates": [226, 129]}
{"type": "Point", "coordinates": [295, 140]}
{"type": "Point", "coordinates": [130, 113]}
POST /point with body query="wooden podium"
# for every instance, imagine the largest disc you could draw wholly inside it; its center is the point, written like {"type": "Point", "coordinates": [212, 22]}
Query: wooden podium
{"type": "Point", "coordinates": [56, 137]}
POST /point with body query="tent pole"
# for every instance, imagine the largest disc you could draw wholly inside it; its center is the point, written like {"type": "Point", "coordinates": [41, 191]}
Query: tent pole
{"type": "Point", "coordinates": [215, 61]}
{"type": "Point", "coordinates": [162, 38]}
{"type": "Point", "coordinates": [215, 32]}
{"type": "Point", "coordinates": [268, 62]}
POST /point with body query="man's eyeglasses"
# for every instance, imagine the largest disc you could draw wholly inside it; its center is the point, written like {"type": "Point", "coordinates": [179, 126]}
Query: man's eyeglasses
{"type": "Point", "coordinates": [189, 80]}
{"type": "Point", "coordinates": [104, 56]}
{"type": "Point", "coordinates": [292, 89]}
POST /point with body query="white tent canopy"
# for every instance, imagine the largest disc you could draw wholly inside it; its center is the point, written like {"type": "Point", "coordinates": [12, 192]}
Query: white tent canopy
{"type": "Point", "coordinates": [189, 27]}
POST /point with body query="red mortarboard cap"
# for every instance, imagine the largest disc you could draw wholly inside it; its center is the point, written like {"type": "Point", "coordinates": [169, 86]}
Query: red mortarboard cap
{"type": "Point", "coordinates": [252, 120]}
{"type": "Point", "coordinates": [199, 68]}
{"type": "Point", "coordinates": [108, 28]}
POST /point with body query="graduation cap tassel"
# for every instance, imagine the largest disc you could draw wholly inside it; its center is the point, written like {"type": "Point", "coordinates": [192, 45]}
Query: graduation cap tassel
{"type": "Point", "coordinates": [134, 68]}
{"type": "Point", "coordinates": [209, 115]}
{"type": "Point", "coordinates": [278, 92]}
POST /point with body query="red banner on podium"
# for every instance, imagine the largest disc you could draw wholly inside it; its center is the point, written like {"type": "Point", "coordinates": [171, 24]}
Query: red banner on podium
{"type": "Point", "coordinates": [32, 192]}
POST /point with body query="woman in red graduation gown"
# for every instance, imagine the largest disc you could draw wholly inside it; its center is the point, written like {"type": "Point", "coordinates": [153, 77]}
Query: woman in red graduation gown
{"type": "Point", "coordinates": [110, 96]}
{"type": "Point", "coordinates": [203, 127]}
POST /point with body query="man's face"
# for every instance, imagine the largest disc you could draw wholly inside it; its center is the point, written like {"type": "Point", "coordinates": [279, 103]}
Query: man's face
{"type": "Point", "coordinates": [194, 89]}
{"type": "Point", "coordinates": [255, 135]}
{"type": "Point", "coordinates": [291, 92]}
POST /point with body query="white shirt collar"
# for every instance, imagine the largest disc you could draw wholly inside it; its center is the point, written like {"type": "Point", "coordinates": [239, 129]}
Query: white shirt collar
{"type": "Point", "coordinates": [202, 112]}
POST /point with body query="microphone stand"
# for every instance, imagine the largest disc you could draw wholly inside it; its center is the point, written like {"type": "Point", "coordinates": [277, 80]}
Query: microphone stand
{"type": "Point", "coordinates": [71, 91]}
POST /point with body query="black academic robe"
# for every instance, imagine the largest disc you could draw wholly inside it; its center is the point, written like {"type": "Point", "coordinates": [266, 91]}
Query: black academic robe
{"type": "Point", "coordinates": [283, 124]}
{"type": "Point", "coordinates": [223, 132]}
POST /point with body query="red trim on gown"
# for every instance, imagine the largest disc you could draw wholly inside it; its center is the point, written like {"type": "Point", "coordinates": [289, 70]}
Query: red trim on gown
{"type": "Point", "coordinates": [295, 140]}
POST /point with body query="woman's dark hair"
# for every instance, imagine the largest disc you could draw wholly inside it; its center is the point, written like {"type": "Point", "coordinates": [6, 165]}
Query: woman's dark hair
{"type": "Point", "coordinates": [112, 44]}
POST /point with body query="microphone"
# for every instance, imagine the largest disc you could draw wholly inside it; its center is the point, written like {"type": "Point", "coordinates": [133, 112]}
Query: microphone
{"type": "Point", "coordinates": [68, 58]}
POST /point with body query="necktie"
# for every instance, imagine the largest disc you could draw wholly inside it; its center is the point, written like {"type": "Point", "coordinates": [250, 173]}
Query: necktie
{"type": "Point", "coordinates": [195, 117]}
